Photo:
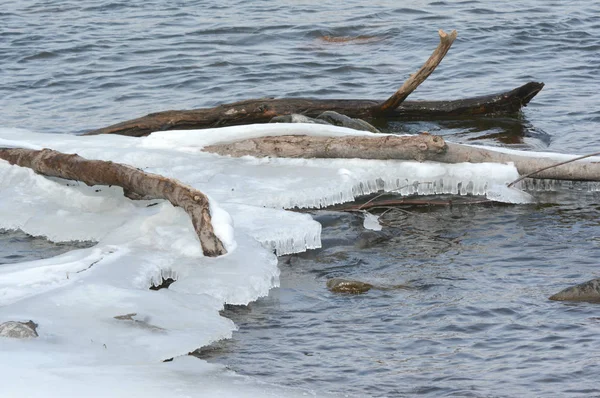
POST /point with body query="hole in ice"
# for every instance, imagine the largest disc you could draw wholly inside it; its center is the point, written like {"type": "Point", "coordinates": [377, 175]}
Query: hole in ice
{"type": "Point", "coordinates": [163, 285]}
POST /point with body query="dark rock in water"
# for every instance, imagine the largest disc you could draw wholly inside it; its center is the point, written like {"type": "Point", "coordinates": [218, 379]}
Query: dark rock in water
{"type": "Point", "coordinates": [19, 330]}
{"type": "Point", "coordinates": [338, 285]}
{"type": "Point", "coordinates": [587, 291]}
{"type": "Point", "coordinates": [338, 119]}
{"type": "Point", "coordinates": [369, 239]}
{"type": "Point", "coordinates": [296, 118]}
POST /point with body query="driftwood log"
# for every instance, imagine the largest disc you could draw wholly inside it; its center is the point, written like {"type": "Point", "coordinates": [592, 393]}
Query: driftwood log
{"type": "Point", "coordinates": [136, 184]}
{"type": "Point", "coordinates": [420, 148]}
{"type": "Point", "coordinates": [395, 108]}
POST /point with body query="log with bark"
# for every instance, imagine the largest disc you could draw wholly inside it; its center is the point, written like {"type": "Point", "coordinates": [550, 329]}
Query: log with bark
{"type": "Point", "coordinates": [136, 184]}
{"type": "Point", "coordinates": [395, 108]}
{"type": "Point", "coordinates": [424, 147]}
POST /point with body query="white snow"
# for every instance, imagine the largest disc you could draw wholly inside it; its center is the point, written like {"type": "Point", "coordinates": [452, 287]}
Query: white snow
{"type": "Point", "coordinates": [82, 349]}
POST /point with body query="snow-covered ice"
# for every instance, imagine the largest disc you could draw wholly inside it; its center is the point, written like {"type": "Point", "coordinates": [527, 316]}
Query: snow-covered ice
{"type": "Point", "coordinates": [102, 332]}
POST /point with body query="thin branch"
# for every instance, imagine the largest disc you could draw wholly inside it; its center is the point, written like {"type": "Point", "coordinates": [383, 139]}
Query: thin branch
{"type": "Point", "coordinates": [409, 202]}
{"type": "Point", "coordinates": [551, 166]}
{"type": "Point", "coordinates": [416, 79]}
{"type": "Point", "coordinates": [380, 195]}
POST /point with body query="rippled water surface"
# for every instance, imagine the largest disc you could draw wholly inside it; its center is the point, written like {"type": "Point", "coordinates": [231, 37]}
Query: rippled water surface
{"type": "Point", "coordinates": [475, 320]}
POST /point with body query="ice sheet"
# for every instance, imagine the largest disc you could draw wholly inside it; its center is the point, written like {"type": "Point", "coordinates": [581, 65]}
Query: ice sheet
{"type": "Point", "coordinates": [76, 296]}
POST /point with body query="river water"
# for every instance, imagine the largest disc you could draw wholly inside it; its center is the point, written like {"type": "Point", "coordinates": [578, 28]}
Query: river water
{"type": "Point", "coordinates": [474, 319]}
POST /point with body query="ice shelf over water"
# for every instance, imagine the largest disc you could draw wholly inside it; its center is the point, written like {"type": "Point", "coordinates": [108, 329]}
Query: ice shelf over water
{"type": "Point", "coordinates": [102, 332]}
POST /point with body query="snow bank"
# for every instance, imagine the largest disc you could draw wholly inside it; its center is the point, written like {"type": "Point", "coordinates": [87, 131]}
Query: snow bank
{"type": "Point", "coordinates": [102, 332]}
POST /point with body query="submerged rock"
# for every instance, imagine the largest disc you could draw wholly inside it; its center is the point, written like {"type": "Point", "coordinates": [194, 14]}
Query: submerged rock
{"type": "Point", "coordinates": [19, 330]}
{"type": "Point", "coordinates": [337, 119]}
{"type": "Point", "coordinates": [587, 291]}
{"type": "Point", "coordinates": [368, 239]}
{"type": "Point", "coordinates": [338, 285]}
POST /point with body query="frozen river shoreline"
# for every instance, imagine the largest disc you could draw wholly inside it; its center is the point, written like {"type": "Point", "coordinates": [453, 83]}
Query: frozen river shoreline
{"type": "Point", "coordinates": [477, 323]}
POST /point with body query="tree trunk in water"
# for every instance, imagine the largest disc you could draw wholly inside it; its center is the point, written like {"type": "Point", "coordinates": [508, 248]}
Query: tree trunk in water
{"type": "Point", "coordinates": [264, 109]}
{"type": "Point", "coordinates": [136, 184]}
{"type": "Point", "coordinates": [395, 108]}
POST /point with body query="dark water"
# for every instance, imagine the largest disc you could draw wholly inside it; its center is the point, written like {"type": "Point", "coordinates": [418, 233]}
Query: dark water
{"type": "Point", "coordinates": [16, 247]}
{"type": "Point", "coordinates": [477, 321]}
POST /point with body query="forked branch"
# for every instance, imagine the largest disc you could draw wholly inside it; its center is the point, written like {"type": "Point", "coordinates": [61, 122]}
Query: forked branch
{"type": "Point", "coordinates": [262, 110]}
{"type": "Point", "coordinates": [419, 77]}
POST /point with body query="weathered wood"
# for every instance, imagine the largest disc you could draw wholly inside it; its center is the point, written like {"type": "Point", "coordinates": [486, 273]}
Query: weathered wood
{"type": "Point", "coordinates": [538, 171]}
{"type": "Point", "coordinates": [420, 148]}
{"type": "Point", "coordinates": [575, 171]}
{"type": "Point", "coordinates": [419, 77]}
{"type": "Point", "coordinates": [387, 203]}
{"type": "Point", "coordinates": [262, 110]}
{"type": "Point", "coordinates": [135, 183]}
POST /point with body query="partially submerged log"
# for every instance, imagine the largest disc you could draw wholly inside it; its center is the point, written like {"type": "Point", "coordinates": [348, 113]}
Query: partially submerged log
{"type": "Point", "coordinates": [419, 147]}
{"type": "Point", "coordinates": [136, 184]}
{"type": "Point", "coordinates": [262, 110]}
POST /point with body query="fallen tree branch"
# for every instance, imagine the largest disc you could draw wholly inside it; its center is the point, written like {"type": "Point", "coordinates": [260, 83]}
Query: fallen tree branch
{"type": "Point", "coordinates": [135, 183]}
{"type": "Point", "coordinates": [419, 148]}
{"type": "Point", "coordinates": [262, 110]}
{"type": "Point", "coordinates": [537, 168]}
{"type": "Point", "coordinates": [419, 77]}
{"type": "Point", "coordinates": [351, 207]}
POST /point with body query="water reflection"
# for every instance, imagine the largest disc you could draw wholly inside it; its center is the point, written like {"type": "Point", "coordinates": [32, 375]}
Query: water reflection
{"type": "Point", "coordinates": [516, 131]}
{"type": "Point", "coordinates": [17, 246]}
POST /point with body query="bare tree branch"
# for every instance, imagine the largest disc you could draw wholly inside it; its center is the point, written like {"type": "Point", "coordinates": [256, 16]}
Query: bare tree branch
{"type": "Point", "coordinates": [419, 77]}
{"type": "Point", "coordinates": [135, 183]}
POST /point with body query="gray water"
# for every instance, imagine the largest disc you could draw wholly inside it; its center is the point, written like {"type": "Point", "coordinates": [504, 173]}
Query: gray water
{"type": "Point", "coordinates": [475, 320]}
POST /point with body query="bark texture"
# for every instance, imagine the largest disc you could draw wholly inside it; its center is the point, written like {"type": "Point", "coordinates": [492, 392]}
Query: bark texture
{"type": "Point", "coordinates": [419, 77]}
{"type": "Point", "coordinates": [262, 110]}
{"type": "Point", "coordinates": [136, 184]}
{"type": "Point", "coordinates": [575, 171]}
{"type": "Point", "coordinates": [419, 148]}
